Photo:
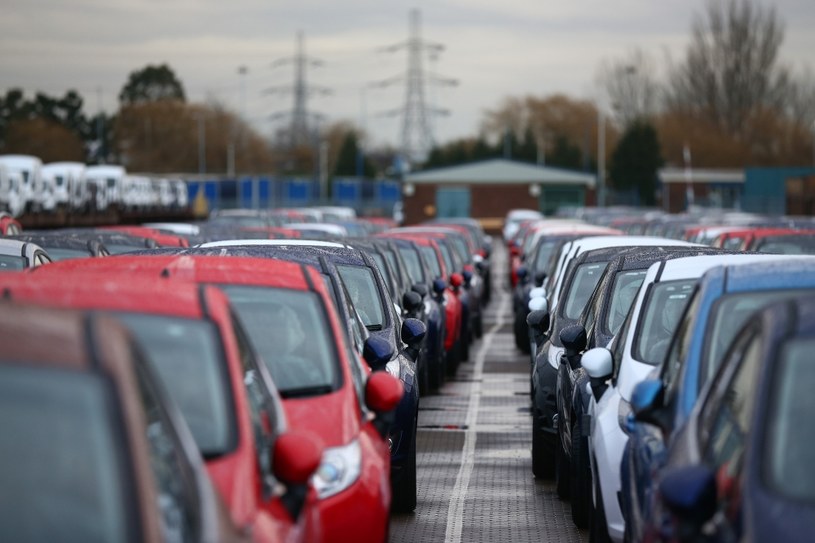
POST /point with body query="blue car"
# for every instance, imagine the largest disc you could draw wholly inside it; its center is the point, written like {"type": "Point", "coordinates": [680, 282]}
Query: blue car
{"type": "Point", "coordinates": [724, 299]}
{"type": "Point", "coordinates": [745, 455]}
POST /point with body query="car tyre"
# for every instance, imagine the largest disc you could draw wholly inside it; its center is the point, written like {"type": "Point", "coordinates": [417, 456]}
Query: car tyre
{"type": "Point", "coordinates": [521, 331]}
{"type": "Point", "coordinates": [404, 493]}
{"type": "Point", "coordinates": [562, 472]}
{"type": "Point", "coordinates": [581, 478]}
{"type": "Point", "coordinates": [543, 461]}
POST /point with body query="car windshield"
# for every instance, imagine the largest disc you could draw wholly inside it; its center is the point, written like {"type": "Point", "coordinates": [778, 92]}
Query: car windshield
{"type": "Point", "coordinates": [188, 359]}
{"type": "Point", "coordinates": [448, 258]}
{"type": "Point", "coordinates": [431, 260]}
{"type": "Point", "coordinates": [414, 267]}
{"type": "Point", "coordinates": [60, 462]}
{"type": "Point", "coordinates": [791, 438]}
{"type": "Point", "coordinates": [787, 245]}
{"type": "Point", "coordinates": [8, 263]}
{"type": "Point", "coordinates": [585, 280]}
{"type": "Point", "coordinates": [288, 328]}
{"type": "Point", "coordinates": [361, 286]}
{"type": "Point", "coordinates": [664, 307]}
{"type": "Point", "coordinates": [623, 294]}
{"type": "Point", "coordinates": [727, 317]}
{"type": "Point", "coordinates": [58, 254]}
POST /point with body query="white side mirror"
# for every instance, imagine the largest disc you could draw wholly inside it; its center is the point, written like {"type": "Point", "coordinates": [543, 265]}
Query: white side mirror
{"type": "Point", "coordinates": [597, 362]}
{"type": "Point", "coordinates": [537, 292]}
{"type": "Point", "coordinates": [538, 303]}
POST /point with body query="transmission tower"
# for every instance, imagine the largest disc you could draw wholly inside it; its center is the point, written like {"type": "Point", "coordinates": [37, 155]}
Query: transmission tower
{"type": "Point", "coordinates": [300, 117]}
{"type": "Point", "coordinates": [416, 131]}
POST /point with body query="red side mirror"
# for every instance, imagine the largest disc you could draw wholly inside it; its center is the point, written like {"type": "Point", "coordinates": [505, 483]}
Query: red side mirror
{"type": "Point", "coordinates": [296, 457]}
{"type": "Point", "coordinates": [514, 251]}
{"type": "Point", "coordinates": [456, 280]}
{"type": "Point", "coordinates": [383, 392]}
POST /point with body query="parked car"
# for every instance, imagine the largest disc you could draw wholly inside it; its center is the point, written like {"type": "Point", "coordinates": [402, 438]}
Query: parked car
{"type": "Point", "coordinates": [724, 299]}
{"type": "Point", "coordinates": [9, 226]}
{"type": "Point", "coordinates": [19, 255]}
{"type": "Point", "coordinates": [515, 217]}
{"type": "Point", "coordinates": [27, 177]}
{"type": "Point", "coordinates": [61, 247]}
{"type": "Point", "coordinates": [92, 449]}
{"type": "Point", "coordinates": [200, 354]}
{"type": "Point", "coordinates": [744, 455]}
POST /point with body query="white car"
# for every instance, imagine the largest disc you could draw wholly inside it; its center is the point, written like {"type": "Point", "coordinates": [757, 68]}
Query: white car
{"type": "Point", "coordinates": [638, 348]}
{"type": "Point", "coordinates": [106, 180]}
{"type": "Point", "coordinates": [68, 186]}
{"type": "Point", "coordinates": [20, 255]}
{"type": "Point", "coordinates": [514, 219]}
{"type": "Point", "coordinates": [28, 168]}
{"type": "Point", "coordinates": [11, 196]}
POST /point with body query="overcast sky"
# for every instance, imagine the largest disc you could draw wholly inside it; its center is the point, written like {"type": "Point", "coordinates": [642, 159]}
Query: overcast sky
{"type": "Point", "coordinates": [495, 48]}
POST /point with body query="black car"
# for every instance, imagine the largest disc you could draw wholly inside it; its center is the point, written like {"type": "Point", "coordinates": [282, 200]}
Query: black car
{"type": "Point", "coordinates": [745, 456]}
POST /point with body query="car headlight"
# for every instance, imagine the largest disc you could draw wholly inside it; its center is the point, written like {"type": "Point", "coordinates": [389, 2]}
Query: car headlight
{"type": "Point", "coordinates": [625, 416]}
{"type": "Point", "coordinates": [393, 368]}
{"type": "Point", "coordinates": [339, 468]}
{"type": "Point", "coordinates": [554, 355]}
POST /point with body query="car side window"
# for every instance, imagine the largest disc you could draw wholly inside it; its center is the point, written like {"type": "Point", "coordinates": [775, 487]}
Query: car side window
{"type": "Point", "coordinates": [175, 486]}
{"type": "Point", "coordinates": [261, 406]}
{"type": "Point", "coordinates": [726, 417]}
{"type": "Point", "coordinates": [359, 333]}
{"type": "Point", "coordinates": [680, 345]}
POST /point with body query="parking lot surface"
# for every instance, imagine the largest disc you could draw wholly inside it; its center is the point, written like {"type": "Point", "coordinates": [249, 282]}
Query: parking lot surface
{"type": "Point", "coordinates": [475, 479]}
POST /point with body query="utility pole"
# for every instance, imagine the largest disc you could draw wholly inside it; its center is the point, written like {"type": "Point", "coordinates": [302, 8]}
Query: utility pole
{"type": "Point", "coordinates": [688, 177]}
{"type": "Point", "coordinates": [299, 116]}
{"type": "Point", "coordinates": [100, 126]}
{"type": "Point", "coordinates": [202, 145]}
{"type": "Point", "coordinates": [416, 133]}
{"type": "Point", "coordinates": [601, 157]}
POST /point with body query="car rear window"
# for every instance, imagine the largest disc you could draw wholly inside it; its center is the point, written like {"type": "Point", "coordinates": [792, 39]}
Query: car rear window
{"type": "Point", "coordinates": [61, 466]}
{"type": "Point", "coordinates": [361, 286]}
{"type": "Point", "coordinates": [289, 330]}
{"type": "Point", "coordinates": [188, 358]}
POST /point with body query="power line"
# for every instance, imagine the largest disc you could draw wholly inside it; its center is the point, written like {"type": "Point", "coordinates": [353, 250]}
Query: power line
{"type": "Point", "coordinates": [417, 131]}
{"type": "Point", "coordinates": [300, 117]}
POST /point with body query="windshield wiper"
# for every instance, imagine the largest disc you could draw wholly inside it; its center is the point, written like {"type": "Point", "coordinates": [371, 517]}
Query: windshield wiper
{"type": "Point", "coordinates": [374, 327]}
{"type": "Point", "coordinates": [301, 392]}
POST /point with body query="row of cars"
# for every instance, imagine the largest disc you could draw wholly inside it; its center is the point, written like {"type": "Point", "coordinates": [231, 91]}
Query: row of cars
{"type": "Point", "coordinates": [28, 185]}
{"type": "Point", "coordinates": [661, 381]}
{"type": "Point", "coordinates": [236, 389]}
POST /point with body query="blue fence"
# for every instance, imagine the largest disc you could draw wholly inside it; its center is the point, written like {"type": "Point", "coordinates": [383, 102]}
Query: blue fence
{"type": "Point", "coordinates": [367, 197]}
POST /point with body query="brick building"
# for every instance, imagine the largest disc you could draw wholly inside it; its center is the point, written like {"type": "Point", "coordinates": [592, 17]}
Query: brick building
{"type": "Point", "coordinates": [488, 190]}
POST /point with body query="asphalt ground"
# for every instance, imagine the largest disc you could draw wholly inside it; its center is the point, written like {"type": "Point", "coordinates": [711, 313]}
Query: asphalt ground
{"type": "Point", "coordinates": [474, 445]}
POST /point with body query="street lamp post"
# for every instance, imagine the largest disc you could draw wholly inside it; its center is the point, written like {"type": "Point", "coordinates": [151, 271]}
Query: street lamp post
{"type": "Point", "coordinates": [202, 145]}
{"type": "Point", "coordinates": [601, 157]}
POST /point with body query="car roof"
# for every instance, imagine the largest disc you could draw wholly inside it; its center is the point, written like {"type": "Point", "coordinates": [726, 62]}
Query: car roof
{"type": "Point", "coordinates": [781, 272]}
{"type": "Point", "coordinates": [688, 267]}
{"type": "Point", "coordinates": [56, 240]}
{"type": "Point", "coordinates": [208, 269]}
{"type": "Point", "coordinates": [98, 290]}
{"type": "Point", "coordinates": [271, 243]}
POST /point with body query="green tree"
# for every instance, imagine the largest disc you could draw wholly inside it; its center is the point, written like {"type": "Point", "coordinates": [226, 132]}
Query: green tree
{"type": "Point", "coordinates": [564, 154]}
{"type": "Point", "coordinates": [348, 159]}
{"type": "Point", "coordinates": [635, 161]}
{"type": "Point", "coordinates": [151, 84]}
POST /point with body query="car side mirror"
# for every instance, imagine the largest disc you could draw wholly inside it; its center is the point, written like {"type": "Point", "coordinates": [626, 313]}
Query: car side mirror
{"type": "Point", "coordinates": [411, 301]}
{"type": "Point", "coordinates": [383, 392]}
{"type": "Point", "coordinates": [413, 332]}
{"type": "Point", "coordinates": [420, 289]}
{"type": "Point", "coordinates": [456, 280]}
{"type": "Point", "coordinates": [377, 352]}
{"type": "Point", "coordinates": [647, 401]}
{"type": "Point", "coordinates": [538, 320]}
{"type": "Point", "coordinates": [574, 341]}
{"type": "Point", "coordinates": [439, 286]}
{"type": "Point", "coordinates": [540, 277]}
{"type": "Point", "coordinates": [537, 292]}
{"type": "Point", "coordinates": [295, 457]}
{"type": "Point", "coordinates": [478, 258]}
{"type": "Point", "coordinates": [514, 250]}
{"type": "Point", "coordinates": [468, 277]}
{"type": "Point", "coordinates": [521, 273]}
{"type": "Point", "coordinates": [690, 493]}
{"type": "Point", "coordinates": [598, 364]}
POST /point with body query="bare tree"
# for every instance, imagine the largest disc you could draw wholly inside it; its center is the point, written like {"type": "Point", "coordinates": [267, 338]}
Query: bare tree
{"type": "Point", "coordinates": [731, 69]}
{"type": "Point", "coordinates": [632, 87]}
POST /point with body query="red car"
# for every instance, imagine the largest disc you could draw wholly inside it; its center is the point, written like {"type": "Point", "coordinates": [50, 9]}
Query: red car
{"type": "Point", "coordinates": [164, 240]}
{"type": "Point", "coordinates": [9, 226]}
{"type": "Point", "coordinates": [290, 319]}
{"type": "Point", "coordinates": [228, 400]}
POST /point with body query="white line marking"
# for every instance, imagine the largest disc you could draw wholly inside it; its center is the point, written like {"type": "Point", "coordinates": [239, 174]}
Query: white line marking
{"type": "Point", "coordinates": [455, 511]}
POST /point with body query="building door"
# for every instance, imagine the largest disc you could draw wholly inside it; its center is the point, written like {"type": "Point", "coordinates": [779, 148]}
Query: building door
{"type": "Point", "coordinates": [452, 202]}
{"type": "Point", "coordinates": [552, 198]}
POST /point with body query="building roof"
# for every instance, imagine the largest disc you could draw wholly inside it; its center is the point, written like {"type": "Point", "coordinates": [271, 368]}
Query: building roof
{"type": "Point", "coordinates": [501, 171]}
{"type": "Point", "coordinates": [679, 175]}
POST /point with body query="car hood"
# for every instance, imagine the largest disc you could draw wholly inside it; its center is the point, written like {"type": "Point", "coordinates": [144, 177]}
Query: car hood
{"type": "Point", "coordinates": [334, 418]}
